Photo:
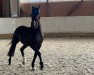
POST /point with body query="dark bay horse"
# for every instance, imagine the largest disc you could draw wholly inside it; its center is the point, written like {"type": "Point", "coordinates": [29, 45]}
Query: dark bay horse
{"type": "Point", "coordinates": [29, 36]}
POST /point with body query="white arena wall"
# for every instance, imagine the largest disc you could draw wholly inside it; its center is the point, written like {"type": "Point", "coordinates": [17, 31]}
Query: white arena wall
{"type": "Point", "coordinates": [52, 25]}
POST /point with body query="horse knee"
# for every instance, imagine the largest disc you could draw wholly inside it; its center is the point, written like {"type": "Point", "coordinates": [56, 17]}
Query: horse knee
{"type": "Point", "coordinates": [22, 49]}
{"type": "Point", "coordinates": [38, 53]}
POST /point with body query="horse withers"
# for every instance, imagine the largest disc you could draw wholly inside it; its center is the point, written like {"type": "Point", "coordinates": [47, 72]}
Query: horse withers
{"type": "Point", "coordinates": [29, 36]}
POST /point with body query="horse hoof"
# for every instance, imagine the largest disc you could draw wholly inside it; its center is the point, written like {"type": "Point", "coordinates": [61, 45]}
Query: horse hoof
{"type": "Point", "coordinates": [9, 64]}
{"type": "Point", "coordinates": [33, 68]}
{"type": "Point", "coordinates": [23, 63]}
{"type": "Point", "coordinates": [41, 66]}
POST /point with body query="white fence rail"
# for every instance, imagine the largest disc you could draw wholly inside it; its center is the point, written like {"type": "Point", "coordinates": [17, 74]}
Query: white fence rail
{"type": "Point", "coordinates": [77, 24]}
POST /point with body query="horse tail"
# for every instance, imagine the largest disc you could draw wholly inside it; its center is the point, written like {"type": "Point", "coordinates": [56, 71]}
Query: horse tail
{"type": "Point", "coordinates": [13, 45]}
{"type": "Point", "coordinates": [8, 44]}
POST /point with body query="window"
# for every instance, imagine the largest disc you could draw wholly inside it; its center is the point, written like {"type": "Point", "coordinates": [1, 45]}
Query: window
{"type": "Point", "coordinates": [23, 1]}
{"type": "Point", "coordinates": [32, 1]}
{"type": "Point", "coordinates": [62, 0]}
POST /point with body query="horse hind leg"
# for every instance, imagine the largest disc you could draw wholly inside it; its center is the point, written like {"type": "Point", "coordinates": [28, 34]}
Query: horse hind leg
{"type": "Point", "coordinates": [12, 48]}
{"type": "Point", "coordinates": [22, 52]}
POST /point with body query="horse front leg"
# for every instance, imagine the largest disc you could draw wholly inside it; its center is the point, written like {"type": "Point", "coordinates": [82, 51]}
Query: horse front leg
{"type": "Point", "coordinates": [33, 62]}
{"type": "Point", "coordinates": [23, 56]}
{"type": "Point", "coordinates": [35, 56]}
{"type": "Point", "coordinates": [41, 62]}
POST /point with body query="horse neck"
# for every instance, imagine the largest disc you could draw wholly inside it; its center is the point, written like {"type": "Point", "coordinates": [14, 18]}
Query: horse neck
{"type": "Point", "coordinates": [38, 30]}
{"type": "Point", "coordinates": [36, 22]}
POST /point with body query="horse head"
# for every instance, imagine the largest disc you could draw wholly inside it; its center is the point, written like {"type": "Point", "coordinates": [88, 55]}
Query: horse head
{"type": "Point", "coordinates": [35, 13]}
